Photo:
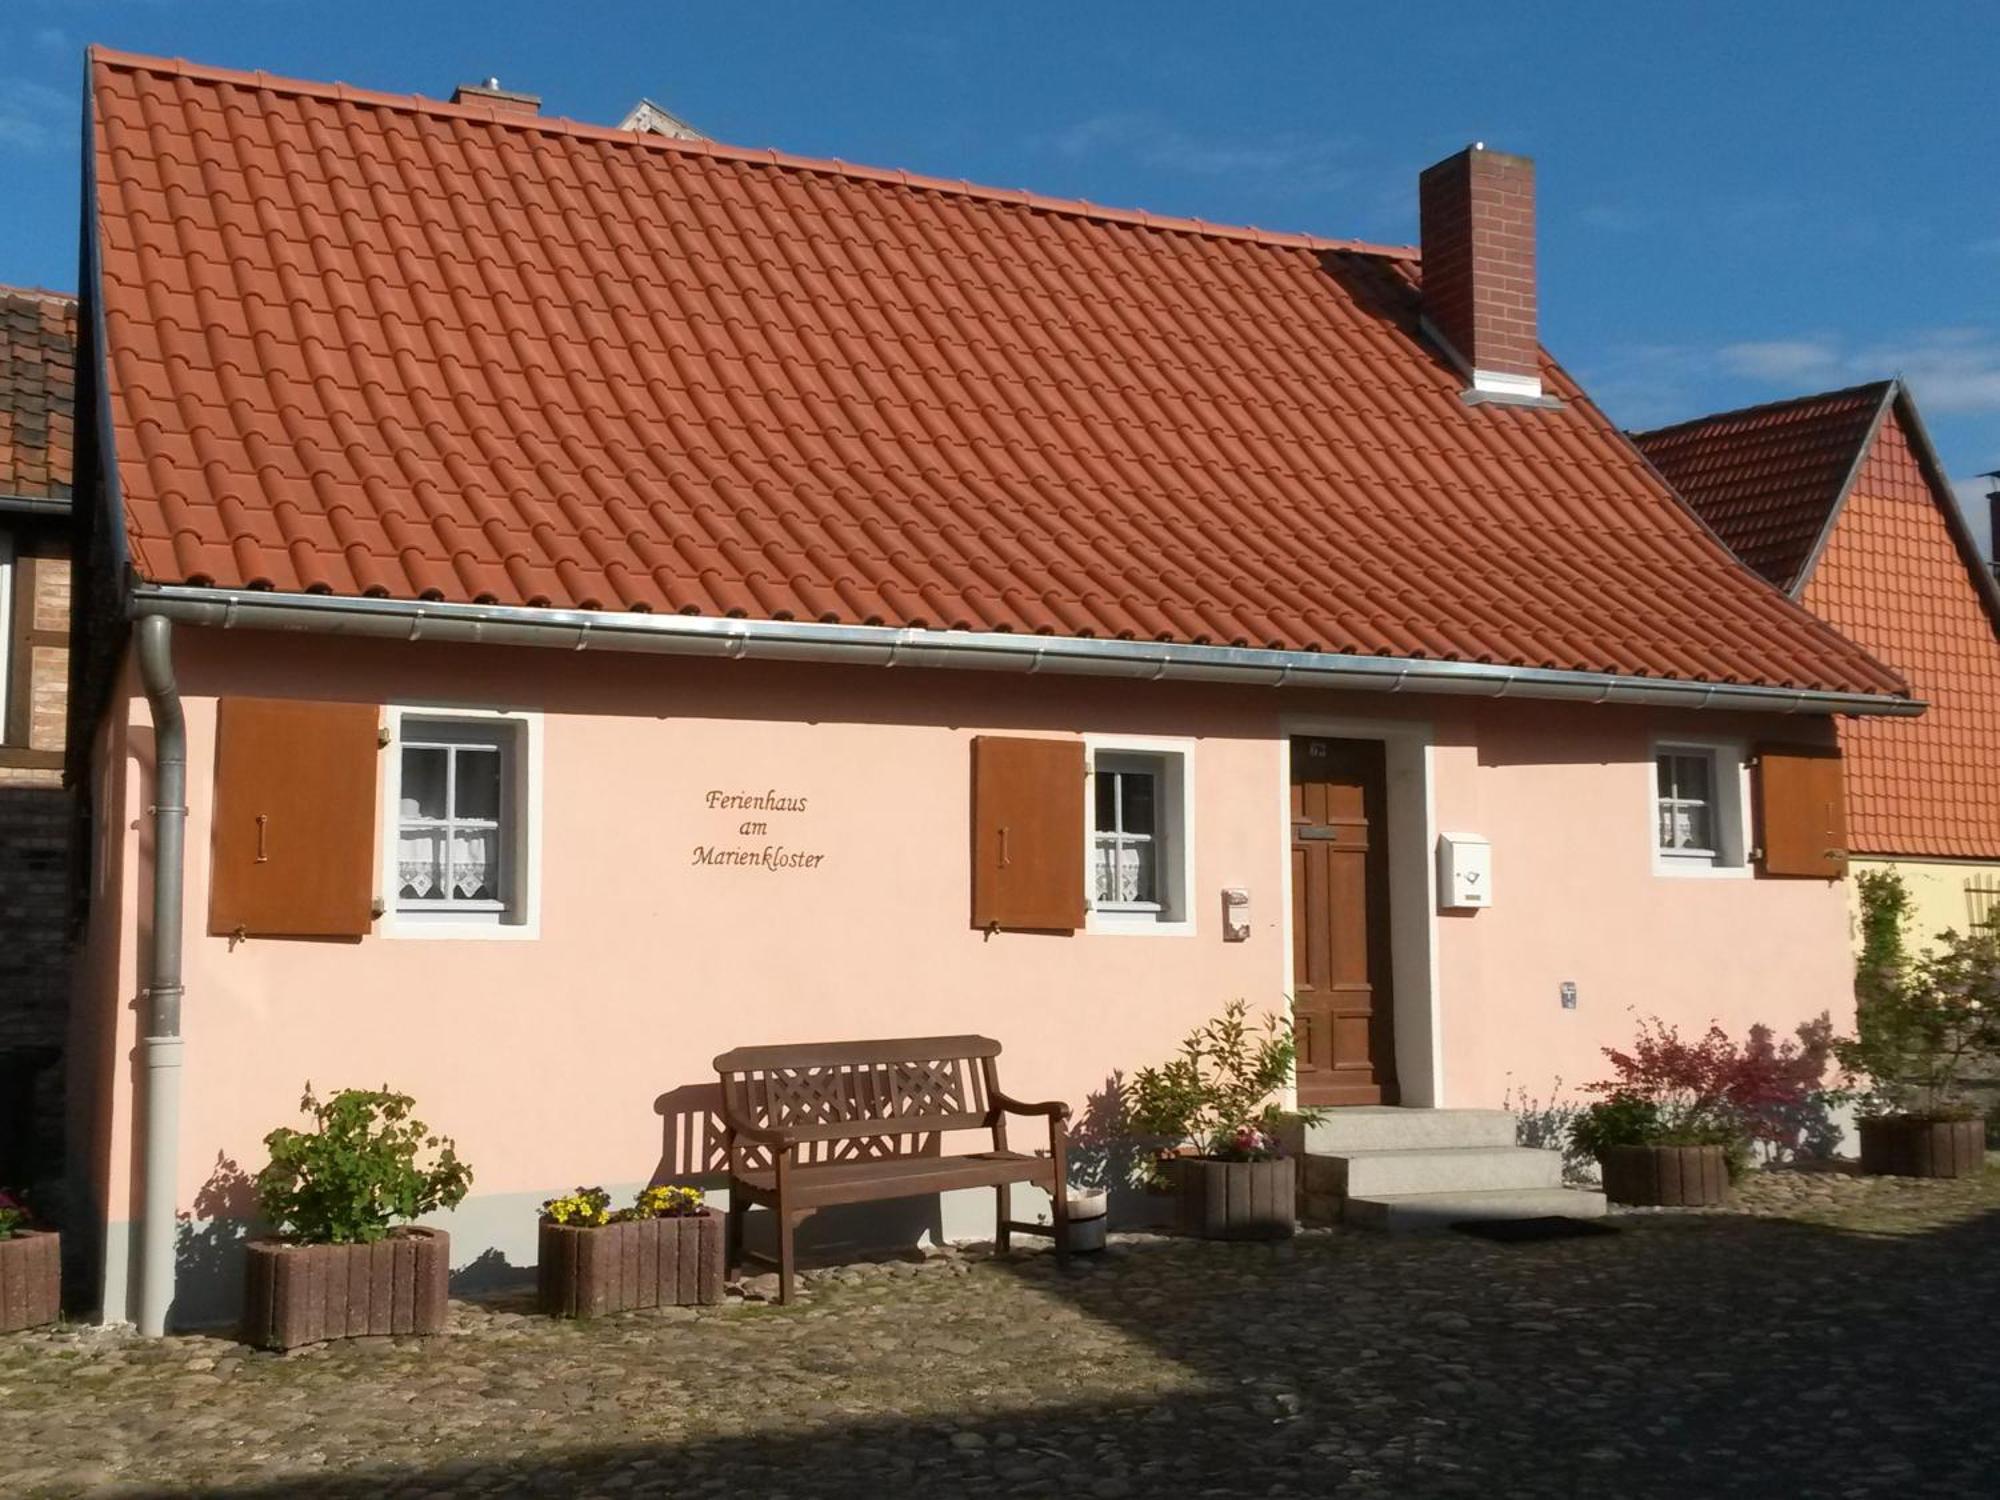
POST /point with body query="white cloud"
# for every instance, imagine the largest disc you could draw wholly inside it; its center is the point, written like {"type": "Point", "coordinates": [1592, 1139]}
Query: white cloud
{"type": "Point", "coordinates": [34, 116]}
{"type": "Point", "coordinates": [1949, 369]}
{"type": "Point", "coordinates": [1307, 161]}
{"type": "Point", "coordinates": [1780, 359]}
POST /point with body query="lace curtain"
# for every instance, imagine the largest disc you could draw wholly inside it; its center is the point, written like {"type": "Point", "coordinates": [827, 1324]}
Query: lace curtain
{"type": "Point", "coordinates": [421, 868]}
{"type": "Point", "coordinates": [1124, 871]}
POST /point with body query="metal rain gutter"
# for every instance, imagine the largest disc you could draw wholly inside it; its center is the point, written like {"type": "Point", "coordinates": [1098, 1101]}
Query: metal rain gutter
{"type": "Point", "coordinates": [894, 646]}
{"type": "Point", "coordinates": [32, 505]}
{"type": "Point", "coordinates": [160, 1045]}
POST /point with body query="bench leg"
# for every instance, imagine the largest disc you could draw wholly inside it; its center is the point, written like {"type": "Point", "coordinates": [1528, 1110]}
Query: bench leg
{"type": "Point", "coordinates": [1059, 1194]}
{"type": "Point", "coordinates": [732, 1238]}
{"type": "Point", "coordinates": [1003, 1238]}
{"type": "Point", "coordinates": [787, 1258]}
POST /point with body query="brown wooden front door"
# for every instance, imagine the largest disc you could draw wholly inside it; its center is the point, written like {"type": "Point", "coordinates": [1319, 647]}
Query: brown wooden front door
{"type": "Point", "coordinates": [1341, 1005]}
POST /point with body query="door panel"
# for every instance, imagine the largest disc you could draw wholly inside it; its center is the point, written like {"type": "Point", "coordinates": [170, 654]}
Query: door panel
{"type": "Point", "coordinates": [1341, 1003]}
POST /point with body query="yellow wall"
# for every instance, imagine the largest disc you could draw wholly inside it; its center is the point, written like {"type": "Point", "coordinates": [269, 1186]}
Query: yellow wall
{"type": "Point", "coordinates": [1938, 896]}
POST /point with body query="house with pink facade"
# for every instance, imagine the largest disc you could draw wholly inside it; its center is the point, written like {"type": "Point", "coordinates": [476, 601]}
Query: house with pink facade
{"type": "Point", "coordinates": [559, 602]}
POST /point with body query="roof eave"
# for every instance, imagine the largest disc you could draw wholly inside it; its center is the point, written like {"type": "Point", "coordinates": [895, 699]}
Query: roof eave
{"type": "Point", "coordinates": [902, 646]}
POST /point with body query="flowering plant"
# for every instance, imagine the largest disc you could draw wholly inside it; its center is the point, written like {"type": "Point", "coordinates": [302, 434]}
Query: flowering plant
{"type": "Point", "coordinates": [589, 1207]}
{"type": "Point", "coordinates": [1219, 1095]}
{"type": "Point", "coordinates": [666, 1202]}
{"type": "Point", "coordinates": [585, 1208]}
{"type": "Point", "coordinates": [13, 1215]}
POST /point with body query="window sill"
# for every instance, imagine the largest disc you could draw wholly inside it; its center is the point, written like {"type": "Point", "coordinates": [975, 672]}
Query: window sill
{"type": "Point", "coordinates": [1134, 924]}
{"type": "Point", "coordinates": [1697, 870]}
{"type": "Point", "coordinates": [471, 927]}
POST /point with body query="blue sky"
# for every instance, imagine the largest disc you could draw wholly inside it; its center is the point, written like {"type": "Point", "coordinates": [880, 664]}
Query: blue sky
{"type": "Point", "coordinates": [1737, 202]}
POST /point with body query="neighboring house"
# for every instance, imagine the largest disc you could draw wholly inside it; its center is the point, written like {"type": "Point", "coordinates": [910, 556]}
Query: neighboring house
{"type": "Point", "coordinates": [648, 117]}
{"type": "Point", "coordinates": [1839, 499]}
{"type": "Point", "coordinates": [37, 395]}
{"type": "Point", "coordinates": [628, 597]}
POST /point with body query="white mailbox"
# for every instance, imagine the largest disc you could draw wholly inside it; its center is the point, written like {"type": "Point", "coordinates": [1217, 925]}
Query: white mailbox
{"type": "Point", "coordinates": [1465, 871]}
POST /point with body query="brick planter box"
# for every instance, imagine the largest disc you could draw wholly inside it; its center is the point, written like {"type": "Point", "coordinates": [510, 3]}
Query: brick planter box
{"type": "Point", "coordinates": [30, 1279]}
{"type": "Point", "coordinates": [1665, 1176]}
{"type": "Point", "coordinates": [587, 1272]}
{"type": "Point", "coordinates": [1900, 1146]}
{"type": "Point", "coordinates": [1237, 1200]}
{"type": "Point", "coordinates": [306, 1294]}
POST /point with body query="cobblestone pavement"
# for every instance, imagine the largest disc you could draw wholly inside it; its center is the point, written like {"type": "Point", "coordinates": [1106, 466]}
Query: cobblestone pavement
{"type": "Point", "coordinates": [1829, 1336]}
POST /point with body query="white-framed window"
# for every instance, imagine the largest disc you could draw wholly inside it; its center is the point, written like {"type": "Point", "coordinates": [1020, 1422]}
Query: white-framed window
{"type": "Point", "coordinates": [1141, 837]}
{"type": "Point", "coordinates": [1699, 808]}
{"type": "Point", "coordinates": [461, 847]}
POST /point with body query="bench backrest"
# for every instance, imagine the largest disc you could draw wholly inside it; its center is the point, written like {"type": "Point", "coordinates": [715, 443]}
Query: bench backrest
{"type": "Point", "coordinates": [889, 1097]}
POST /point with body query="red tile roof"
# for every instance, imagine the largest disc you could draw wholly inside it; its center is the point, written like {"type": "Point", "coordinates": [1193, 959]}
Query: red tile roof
{"type": "Point", "coordinates": [1767, 478]}
{"type": "Point", "coordinates": [370, 344]}
{"type": "Point", "coordinates": [37, 392]}
{"type": "Point", "coordinates": [1842, 495]}
{"type": "Point", "coordinates": [1895, 577]}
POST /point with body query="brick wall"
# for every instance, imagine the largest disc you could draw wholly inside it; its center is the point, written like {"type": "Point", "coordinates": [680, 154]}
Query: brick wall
{"type": "Point", "coordinates": [34, 976]}
{"type": "Point", "coordinates": [34, 854]}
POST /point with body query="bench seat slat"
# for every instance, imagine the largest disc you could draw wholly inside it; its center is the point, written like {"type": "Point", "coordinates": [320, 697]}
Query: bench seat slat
{"type": "Point", "coordinates": [900, 1177]}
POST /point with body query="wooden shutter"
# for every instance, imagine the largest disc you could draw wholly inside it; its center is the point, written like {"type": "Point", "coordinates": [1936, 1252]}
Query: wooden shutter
{"type": "Point", "coordinates": [1027, 833]}
{"type": "Point", "coordinates": [1801, 812]}
{"type": "Point", "coordinates": [294, 836]}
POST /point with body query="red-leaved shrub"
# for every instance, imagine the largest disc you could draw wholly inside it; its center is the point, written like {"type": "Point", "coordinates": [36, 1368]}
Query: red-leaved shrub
{"type": "Point", "coordinates": [1771, 1090]}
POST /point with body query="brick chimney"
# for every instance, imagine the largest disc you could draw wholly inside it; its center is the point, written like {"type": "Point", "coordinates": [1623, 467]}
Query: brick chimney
{"type": "Point", "coordinates": [504, 100]}
{"type": "Point", "coordinates": [1477, 212]}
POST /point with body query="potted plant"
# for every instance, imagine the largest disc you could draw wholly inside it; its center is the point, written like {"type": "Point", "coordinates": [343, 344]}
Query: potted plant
{"type": "Point", "coordinates": [1919, 1025]}
{"type": "Point", "coordinates": [664, 1251]}
{"type": "Point", "coordinates": [345, 1261]}
{"type": "Point", "coordinates": [1673, 1128]}
{"type": "Point", "coordinates": [1215, 1109]}
{"type": "Point", "coordinates": [30, 1269]}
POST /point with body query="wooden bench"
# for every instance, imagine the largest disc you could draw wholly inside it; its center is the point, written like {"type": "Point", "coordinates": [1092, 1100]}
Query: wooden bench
{"type": "Point", "coordinates": [810, 1126]}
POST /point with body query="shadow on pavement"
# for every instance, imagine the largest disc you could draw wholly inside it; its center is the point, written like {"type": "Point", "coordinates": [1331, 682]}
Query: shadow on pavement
{"type": "Point", "coordinates": [1681, 1357]}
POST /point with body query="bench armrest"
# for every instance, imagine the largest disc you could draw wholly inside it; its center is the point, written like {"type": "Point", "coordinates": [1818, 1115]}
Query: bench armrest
{"type": "Point", "coordinates": [1055, 1109]}
{"type": "Point", "coordinates": [763, 1135]}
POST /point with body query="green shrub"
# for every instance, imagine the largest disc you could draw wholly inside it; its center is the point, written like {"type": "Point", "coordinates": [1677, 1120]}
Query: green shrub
{"type": "Point", "coordinates": [13, 1216]}
{"type": "Point", "coordinates": [1218, 1095]}
{"type": "Point", "coordinates": [1919, 1024]}
{"type": "Point", "coordinates": [358, 1171]}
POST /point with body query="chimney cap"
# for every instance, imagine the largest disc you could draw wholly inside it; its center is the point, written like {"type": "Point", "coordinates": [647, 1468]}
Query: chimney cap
{"type": "Point", "coordinates": [490, 92]}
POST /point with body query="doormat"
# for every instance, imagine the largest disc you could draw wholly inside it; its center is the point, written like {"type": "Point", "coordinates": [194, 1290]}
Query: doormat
{"type": "Point", "coordinates": [1528, 1231]}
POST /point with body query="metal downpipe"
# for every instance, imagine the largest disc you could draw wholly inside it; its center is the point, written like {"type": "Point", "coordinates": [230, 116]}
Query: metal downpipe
{"type": "Point", "coordinates": [160, 1046]}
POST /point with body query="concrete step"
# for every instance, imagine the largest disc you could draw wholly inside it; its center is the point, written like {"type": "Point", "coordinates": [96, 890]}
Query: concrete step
{"type": "Point", "coordinates": [1461, 1169]}
{"type": "Point", "coordinates": [1403, 1213]}
{"type": "Point", "coordinates": [1382, 1127]}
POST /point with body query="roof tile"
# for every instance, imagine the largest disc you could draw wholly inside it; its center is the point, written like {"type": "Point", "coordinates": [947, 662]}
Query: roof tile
{"type": "Point", "coordinates": [373, 344]}
{"type": "Point", "coordinates": [37, 393]}
{"type": "Point", "coordinates": [1767, 478]}
{"type": "Point", "coordinates": [1895, 579]}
